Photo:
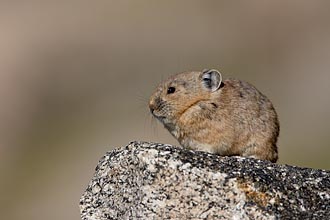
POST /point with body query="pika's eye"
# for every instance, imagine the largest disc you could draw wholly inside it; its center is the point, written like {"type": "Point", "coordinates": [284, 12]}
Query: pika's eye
{"type": "Point", "coordinates": [170, 90]}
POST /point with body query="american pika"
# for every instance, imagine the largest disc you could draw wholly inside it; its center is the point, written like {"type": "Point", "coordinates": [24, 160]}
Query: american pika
{"type": "Point", "coordinates": [227, 118]}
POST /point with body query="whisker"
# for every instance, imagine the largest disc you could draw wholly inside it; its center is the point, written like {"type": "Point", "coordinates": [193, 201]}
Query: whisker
{"type": "Point", "coordinates": [154, 126]}
{"type": "Point", "coordinates": [146, 118]}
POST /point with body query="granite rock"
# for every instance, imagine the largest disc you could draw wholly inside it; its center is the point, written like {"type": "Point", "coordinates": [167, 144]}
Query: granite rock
{"type": "Point", "coordinates": [156, 181]}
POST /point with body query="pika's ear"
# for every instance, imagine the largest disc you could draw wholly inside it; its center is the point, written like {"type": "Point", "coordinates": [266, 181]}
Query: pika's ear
{"type": "Point", "coordinates": [211, 79]}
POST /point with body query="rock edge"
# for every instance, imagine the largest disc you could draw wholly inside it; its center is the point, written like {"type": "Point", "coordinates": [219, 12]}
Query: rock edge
{"type": "Point", "coordinates": [156, 181]}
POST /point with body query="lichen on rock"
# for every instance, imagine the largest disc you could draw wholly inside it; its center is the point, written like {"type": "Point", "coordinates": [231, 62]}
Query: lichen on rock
{"type": "Point", "coordinates": [156, 181]}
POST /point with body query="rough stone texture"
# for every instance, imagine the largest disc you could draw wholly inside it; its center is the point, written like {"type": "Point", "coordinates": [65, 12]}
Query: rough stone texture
{"type": "Point", "coordinates": [156, 181]}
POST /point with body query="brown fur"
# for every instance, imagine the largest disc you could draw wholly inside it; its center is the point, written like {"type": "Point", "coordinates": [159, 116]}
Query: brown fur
{"type": "Point", "coordinates": [234, 120]}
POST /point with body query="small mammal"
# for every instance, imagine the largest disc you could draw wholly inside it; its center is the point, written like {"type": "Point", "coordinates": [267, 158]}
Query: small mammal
{"type": "Point", "coordinates": [227, 118]}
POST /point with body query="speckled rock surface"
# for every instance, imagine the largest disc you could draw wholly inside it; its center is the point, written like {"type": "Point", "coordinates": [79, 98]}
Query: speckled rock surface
{"type": "Point", "coordinates": [156, 181]}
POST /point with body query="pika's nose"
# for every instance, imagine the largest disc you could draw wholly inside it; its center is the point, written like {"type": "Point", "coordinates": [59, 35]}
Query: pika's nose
{"type": "Point", "coordinates": [152, 106]}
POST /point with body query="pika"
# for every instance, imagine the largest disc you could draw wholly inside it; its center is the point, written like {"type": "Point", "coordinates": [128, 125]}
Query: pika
{"type": "Point", "coordinates": [227, 118]}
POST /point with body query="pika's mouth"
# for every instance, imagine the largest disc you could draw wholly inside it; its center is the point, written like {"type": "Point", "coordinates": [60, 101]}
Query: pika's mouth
{"type": "Point", "coordinates": [155, 112]}
{"type": "Point", "coordinates": [159, 117]}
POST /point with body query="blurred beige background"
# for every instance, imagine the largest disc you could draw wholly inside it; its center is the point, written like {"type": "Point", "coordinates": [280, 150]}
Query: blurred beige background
{"type": "Point", "coordinates": [75, 78]}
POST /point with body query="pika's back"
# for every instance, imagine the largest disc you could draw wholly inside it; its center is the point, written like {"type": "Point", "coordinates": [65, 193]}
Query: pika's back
{"type": "Point", "coordinates": [229, 117]}
{"type": "Point", "coordinates": [245, 98]}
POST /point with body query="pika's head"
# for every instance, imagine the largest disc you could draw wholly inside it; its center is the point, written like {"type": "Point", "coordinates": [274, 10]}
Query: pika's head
{"type": "Point", "coordinates": [181, 92]}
